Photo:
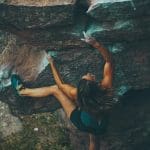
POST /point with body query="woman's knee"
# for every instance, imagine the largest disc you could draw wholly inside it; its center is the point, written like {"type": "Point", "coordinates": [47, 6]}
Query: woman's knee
{"type": "Point", "coordinates": [56, 90]}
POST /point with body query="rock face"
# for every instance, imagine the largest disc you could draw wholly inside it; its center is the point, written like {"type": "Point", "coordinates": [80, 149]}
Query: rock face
{"type": "Point", "coordinates": [113, 10]}
{"type": "Point", "coordinates": [26, 15]}
{"type": "Point", "coordinates": [9, 123]}
{"type": "Point", "coordinates": [131, 128]}
{"type": "Point", "coordinates": [28, 28]}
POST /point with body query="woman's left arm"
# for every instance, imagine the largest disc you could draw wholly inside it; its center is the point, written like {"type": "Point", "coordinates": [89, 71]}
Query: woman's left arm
{"type": "Point", "coordinates": [67, 89]}
{"type": "Point", "coordinates": [55, 73]}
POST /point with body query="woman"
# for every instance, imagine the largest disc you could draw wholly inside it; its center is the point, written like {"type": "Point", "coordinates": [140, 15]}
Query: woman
{"type": "Point", "coordinates": [84, 105]}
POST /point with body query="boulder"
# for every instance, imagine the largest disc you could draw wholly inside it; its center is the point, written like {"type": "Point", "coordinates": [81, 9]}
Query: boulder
{"type": "Point", "coordinates": [74, 57]}
{"type": "Point", "coordinates": [113, 10]}
{"type": "Point", "coordinates": [26, 15]}
{"type": "Point", "coordinates": [120, 31]}
{"type": "Point", "coordinates": [9, 124]}
{"type": "Point", "coordinates": [121, 28]}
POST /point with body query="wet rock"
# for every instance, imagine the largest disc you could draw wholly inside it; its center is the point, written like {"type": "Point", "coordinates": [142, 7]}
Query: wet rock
{"type": "Point", "coordinates": [28, 16]}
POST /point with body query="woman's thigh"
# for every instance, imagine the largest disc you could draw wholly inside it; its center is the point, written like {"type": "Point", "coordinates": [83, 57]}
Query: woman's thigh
{"type": "Point", "coordinates": [67, 103]}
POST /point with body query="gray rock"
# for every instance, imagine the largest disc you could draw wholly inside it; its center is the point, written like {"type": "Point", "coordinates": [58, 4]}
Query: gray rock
{"type": "Point", "coordinates": [121, 31]}
{"type": "Point", "coordinates": [9, 123]}
{"type": "Point", "coordinates": [22, 52]}
{"type": "Point", "coordinates": [109, 10]}
{"type": "Point", "coordinates": [73, 59]}
{"type": "Point", "coordinates": [2, 1]}
{"type": "Point", "coordinates": [36, 16]}
{"type": "Point", "coordinates": [38, 2]}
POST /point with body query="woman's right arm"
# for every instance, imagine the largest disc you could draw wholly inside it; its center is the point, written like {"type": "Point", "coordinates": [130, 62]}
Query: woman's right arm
{"type": "Point", "coordinates": [106, 82]}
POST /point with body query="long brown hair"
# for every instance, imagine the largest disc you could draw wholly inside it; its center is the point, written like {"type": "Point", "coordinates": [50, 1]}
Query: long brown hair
{"type": "Point", "coordinates": [91, 97]}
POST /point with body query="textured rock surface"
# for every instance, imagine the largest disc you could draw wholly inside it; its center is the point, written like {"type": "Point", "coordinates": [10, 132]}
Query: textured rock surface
{"type": "Point", "coordinates": [39, 2]}
{"type": "Point", "coordinates": [40, 131]}
{"type": "Point", "coordinates": [9, 123]}
{"type": "Point", "coordinates": [26, 16]}
{"type": "Point", "coordinates": [123, 26]}
{"type": "Point", "coordinates": [112, 10]}
{"type": "Point", "coordinates": [130, 130]}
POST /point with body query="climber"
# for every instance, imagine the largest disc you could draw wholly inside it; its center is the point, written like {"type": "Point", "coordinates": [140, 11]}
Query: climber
{"type": "Point", "coordinates": [85, 105]}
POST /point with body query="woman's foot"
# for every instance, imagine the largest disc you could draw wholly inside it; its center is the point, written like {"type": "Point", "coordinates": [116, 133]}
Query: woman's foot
{"type": "Point", "coordinates": [16, 83]}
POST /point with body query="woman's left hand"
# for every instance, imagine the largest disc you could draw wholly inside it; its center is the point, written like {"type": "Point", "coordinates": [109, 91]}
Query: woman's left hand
{"type": "Point", "coordinates": [49, 58]}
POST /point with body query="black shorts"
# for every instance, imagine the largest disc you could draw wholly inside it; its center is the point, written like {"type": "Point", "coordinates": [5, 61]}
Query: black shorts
{"type": "Point", "coordinates": [86, 122]}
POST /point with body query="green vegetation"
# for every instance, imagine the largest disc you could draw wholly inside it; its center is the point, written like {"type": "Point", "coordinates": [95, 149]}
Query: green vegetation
{"type": "Point", "coordinates": [40, 132]}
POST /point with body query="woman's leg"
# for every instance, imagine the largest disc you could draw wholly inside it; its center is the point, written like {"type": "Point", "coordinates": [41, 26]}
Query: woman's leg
{"type": "Point", "coordinates": [94, 142]}
{"type": "Point", "coordinates": [38, 92]}
{"type": "Point", "coordinates": [67, 103]}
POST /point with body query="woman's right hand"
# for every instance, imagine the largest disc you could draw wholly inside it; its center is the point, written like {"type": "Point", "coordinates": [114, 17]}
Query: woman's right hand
{"type": "Point", "coordinates": [88, 39]}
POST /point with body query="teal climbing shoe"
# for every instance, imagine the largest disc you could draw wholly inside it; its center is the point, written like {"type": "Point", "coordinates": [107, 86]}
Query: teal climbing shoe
{"type": "Point", "coordinates": [16, 83]}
